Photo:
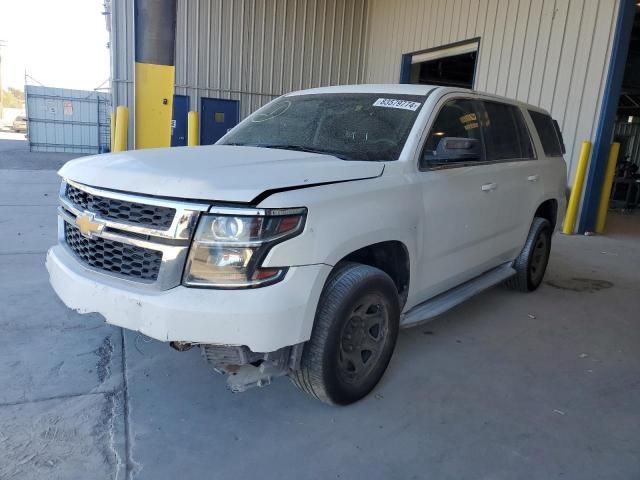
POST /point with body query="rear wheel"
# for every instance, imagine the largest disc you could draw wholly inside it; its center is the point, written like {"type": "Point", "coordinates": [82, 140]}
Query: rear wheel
{"type": "Point", "coordinates": [353, 338]}
{"type": "Point", "coordinates": [531, 264]}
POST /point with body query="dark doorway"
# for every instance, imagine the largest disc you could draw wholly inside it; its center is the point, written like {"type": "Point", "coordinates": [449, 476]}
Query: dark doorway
{"type": "Point", "coordinates": [218, 116]}
{"type": "Point", "coordinates": [452, 65]}
{"type": "Point", "coordinates": [179, 120]}
{"type": "Point", "coordinates": [454, 71]}
{"type": "Point", "coordinates": [625, 192]}
{"type": "Point", "coordinates": [619, 122]}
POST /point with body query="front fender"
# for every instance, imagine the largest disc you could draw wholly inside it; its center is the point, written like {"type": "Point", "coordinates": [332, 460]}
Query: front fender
{"type": "Point", "coordinates": [345, 217]}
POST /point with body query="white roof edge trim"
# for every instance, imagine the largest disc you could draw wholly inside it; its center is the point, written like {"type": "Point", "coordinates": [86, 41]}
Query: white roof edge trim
{"type": "Point", "coordinates": [445, 52]}
{"type": "Point", "coordinates": [383, 89]}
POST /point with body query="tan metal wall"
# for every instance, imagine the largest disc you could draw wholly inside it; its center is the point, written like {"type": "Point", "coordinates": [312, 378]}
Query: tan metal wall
{"type": "Point", "coordinates": [254, 50]}
{"type": "Point", "coordinates": [551, 53]}
{"type": "Point", "coordinates": [251, 50]}
{"type": "Point", "coordinates": [121, 42]}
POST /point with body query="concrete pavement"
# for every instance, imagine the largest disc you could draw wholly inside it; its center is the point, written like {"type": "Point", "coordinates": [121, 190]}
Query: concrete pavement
{"type": "Point", "coordinates": [506, 386]}
{"type": "Point", "coordinates": [15, 154]}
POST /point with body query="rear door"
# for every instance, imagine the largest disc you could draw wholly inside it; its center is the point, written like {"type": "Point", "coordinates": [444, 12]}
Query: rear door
{"type": "Point", "coordinates": [459, 201]}
{"type": "Point", "coordinates": [515, 171]}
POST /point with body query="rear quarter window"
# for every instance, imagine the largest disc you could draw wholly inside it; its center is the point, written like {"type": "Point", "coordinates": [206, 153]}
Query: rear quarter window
{"type": "Point", "coordinates": [549, 134]}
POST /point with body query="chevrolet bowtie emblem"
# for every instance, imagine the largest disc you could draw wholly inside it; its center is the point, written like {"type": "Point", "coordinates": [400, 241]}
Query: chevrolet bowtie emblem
{"type": "Point", "coordinates": [88, 225]}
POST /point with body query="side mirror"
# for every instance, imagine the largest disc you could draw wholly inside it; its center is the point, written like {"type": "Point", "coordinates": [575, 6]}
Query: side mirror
{"type": "Point", "coordinates": [454, 149]}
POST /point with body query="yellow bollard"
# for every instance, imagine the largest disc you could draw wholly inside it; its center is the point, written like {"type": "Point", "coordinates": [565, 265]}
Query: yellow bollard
{"type": "Point", "coordinates": [576, 190]}
{"type": "Point", "coordinates": [193, 137]}
{"type": "Point", "coordinates": [113, 131]}
{"type": "Point", "coordinates": [122, 125]}
{"type": "Point", "coordinates": [606, 187]}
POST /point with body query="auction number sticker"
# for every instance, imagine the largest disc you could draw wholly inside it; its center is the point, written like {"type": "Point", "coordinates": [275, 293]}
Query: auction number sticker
{"type": "Point", "coordinates": [395, 103]}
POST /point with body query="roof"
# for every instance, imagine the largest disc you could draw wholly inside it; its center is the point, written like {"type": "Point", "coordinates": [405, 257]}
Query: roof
{"type": "Point", "coordinates": [411, 89]}
{"type": "Point", "coordinates": [392, 88]}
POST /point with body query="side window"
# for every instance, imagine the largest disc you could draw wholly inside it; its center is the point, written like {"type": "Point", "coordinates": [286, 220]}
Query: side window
{"type": "Point", "coordinates": [548, 131]}
{"type": "Point", "coordinates": [505, 134]}
{"type": "Point", "coordinates": [454, 136]}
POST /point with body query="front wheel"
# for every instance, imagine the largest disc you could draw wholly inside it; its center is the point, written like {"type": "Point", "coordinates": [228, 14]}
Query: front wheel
{"type": "Point", "coordinates": [353, 338]}
{"type": "Point", "coordinates": [531, 264]}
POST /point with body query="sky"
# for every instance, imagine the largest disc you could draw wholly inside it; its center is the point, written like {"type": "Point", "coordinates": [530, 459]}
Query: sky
{"type": "Point", "coordinates": [60, 43]}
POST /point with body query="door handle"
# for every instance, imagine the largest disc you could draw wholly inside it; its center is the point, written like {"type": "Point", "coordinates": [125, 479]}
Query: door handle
{"type": "Point", "coordinates": [533, 178]}
{"type": "Point", "coordinates": [487, 187]}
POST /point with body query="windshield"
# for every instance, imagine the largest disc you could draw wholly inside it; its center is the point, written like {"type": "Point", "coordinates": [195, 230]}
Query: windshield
{"type": "Point", "coordinates": [354, 126]}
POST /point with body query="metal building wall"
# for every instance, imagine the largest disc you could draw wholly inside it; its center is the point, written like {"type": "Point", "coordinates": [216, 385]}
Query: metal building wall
{"type": "Point", "coordinates": [121, 43]}
{"type": "Point", "coordinates": [255, 50]}
{"type": "Point", "coordinates": [250, 50]}
{"type": "Point", "coordinates": [551, 53]}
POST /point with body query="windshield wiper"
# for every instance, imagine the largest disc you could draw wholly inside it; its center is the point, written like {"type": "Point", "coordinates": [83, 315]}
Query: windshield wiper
{"type": "Point", "coordinates": [302, 148]}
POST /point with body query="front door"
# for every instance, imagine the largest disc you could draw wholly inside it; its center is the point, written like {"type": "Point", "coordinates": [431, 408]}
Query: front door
{"type": "Point", "coordinates": [217, 117]}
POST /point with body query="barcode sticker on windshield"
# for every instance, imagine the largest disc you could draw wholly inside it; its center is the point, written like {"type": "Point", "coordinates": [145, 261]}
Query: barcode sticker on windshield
{"type": "Point", "coordinates": [395, 103]}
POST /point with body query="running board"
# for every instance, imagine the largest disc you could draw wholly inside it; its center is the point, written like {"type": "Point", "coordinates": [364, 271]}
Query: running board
{"type": "Point", "coordinates": [445, 301]}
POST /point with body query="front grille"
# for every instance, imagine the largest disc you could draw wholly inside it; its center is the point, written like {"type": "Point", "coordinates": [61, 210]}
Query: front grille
{"type": "Point", "coordinates": [114, 257]}
{"type": "Point", "coordinates": [150, 216]}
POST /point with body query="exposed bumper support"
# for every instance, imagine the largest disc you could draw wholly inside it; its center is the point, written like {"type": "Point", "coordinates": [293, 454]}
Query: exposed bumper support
{"type": "Point", "coordinates": [247, 369]}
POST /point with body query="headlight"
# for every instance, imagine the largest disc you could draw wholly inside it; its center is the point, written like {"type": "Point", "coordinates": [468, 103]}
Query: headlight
{"type": "Point", "coordinates": [230, 244]}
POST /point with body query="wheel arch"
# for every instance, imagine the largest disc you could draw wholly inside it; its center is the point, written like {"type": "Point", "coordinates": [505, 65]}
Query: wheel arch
{"type": "Point", "coordinates": [392, 257]}
{"type": "Point", "coordinates": [548, 209]}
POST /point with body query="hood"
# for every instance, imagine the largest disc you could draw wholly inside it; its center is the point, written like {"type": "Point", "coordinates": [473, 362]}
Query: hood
{"type": "Point", "coordinates": [214, 172]}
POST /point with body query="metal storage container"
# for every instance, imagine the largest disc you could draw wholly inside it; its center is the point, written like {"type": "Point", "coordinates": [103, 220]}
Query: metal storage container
{"type": "Point", "coordinates": [63, 120]}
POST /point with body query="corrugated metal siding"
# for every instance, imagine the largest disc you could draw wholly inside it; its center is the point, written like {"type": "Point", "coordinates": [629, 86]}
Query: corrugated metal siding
{"type": "Point", "coordinates": [251, 50]}
{"type": "Point", "coordinates": [551, 53]}
{"type": "Point", "coordinates": [255, 50]}
{"type": "Point", "coordinates": [63, 120]}
{"type": "Point", "coordinates": [121, 42]}
{"type": "Point", "coordinates": [631, 130]}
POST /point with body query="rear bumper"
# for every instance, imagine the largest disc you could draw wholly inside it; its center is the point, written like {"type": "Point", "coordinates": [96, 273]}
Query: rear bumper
{"type": "Point", "coordinates": [264, 319]}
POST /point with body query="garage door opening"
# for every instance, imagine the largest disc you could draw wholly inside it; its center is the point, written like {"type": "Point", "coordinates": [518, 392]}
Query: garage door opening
{"type": "Point", "coordinates": [451, 65]}
{"type": "Point", "coordinates": [625, 192]}
{"type": "Point", "coordinates": [620, 123]}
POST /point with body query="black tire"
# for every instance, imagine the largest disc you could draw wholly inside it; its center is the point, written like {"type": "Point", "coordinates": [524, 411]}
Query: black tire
{"type": "Point", "coordinates": [531, 264]}
{"type": "Point", "coordinates": [354, 298]}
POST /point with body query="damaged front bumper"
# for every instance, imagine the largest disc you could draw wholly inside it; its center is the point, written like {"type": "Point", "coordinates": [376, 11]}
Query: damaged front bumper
{"type": "Point", "coordinates": [262, 319]}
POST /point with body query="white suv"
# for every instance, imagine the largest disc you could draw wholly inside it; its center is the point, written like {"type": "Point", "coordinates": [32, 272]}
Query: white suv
{"type": "Point", "coordinates": [315, 229]}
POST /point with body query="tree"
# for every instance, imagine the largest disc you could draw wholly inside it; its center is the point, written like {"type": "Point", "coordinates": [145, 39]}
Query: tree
{"type": "Point", "coordinates": [13, 98]}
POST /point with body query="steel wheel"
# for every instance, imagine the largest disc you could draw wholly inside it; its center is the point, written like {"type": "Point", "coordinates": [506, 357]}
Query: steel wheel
{"type": "Point", "coordinates": [363, 339]}
{"type": "Point", "coordinates": [539, 258]}
{"type": "Point", "coordinates": [531, 264]}
{"type": "Point", "coordinates": [354, 334]}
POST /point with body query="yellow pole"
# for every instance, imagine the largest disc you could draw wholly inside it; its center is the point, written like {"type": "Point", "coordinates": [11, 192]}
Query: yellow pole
{"type": "Point", "coordinates": [192, 129]}
{"type": "Point", "coordinates": [576, 190]}
{"type": "Point", "coordinates": [122, 124]}
{"type": "Point", "coordinates": [606, 187]}
{"type": "Point", "coordinates": [113, 131]}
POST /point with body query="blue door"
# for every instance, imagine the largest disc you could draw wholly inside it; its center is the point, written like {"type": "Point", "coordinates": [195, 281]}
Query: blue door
{"type": "Point", "coordinates": [179, 120]}
{"type": "Point", "coordinates": [217, 117]}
